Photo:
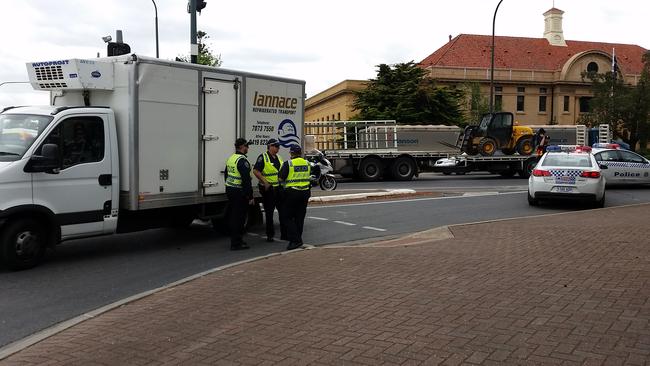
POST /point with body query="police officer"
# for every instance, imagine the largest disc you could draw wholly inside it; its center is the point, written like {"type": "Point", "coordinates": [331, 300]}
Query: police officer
{"type": "Point", "coordinates": [295, 176]}
{"type": "Point", "coordinates": [266, 170]}
{"type": "Point", "coordinates": [240, 193]}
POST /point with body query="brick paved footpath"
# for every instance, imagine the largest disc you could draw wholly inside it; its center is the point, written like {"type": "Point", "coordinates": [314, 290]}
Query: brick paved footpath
{"type": "Point", "coordinates": [562, 289]}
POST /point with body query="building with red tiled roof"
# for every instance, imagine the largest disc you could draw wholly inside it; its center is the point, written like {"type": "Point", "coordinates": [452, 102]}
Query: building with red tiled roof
{"type": "Point", "coordinates": [538, 79]}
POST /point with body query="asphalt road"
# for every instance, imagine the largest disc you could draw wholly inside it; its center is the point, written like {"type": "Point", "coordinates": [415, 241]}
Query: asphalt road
{"type": "Point", "coordinates": [86, 274]}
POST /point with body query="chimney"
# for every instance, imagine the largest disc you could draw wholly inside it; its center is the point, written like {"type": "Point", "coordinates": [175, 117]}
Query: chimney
{"type": "Point", "coordinates": [450, 38]}
{"type": "Point", "coordinates": [553, 27]}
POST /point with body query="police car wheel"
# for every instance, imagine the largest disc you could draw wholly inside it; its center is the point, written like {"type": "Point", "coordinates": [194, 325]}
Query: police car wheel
{"type": "Point", "coordinates": [600, 203]}
{"type": "Point", "coordinates": [532, 201]}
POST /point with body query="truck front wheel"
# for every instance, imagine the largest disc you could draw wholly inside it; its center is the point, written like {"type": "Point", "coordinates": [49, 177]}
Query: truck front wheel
{"type": "Point", "coordinates": [23, 243]}
{"type": "Point", "coordinates": [525, 146]}
{"type": "Point", "coordinates": [487, 146]}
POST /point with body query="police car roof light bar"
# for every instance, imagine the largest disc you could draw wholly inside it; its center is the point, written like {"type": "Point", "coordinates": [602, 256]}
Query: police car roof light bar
{"type": "Point", "coordinates": [606, 146]}
{"type": "Point", "coordinates": [568, 148]}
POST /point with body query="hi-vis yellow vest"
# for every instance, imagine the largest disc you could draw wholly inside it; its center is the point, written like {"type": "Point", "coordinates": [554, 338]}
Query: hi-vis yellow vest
{"type": "Point", "coordinates": [270, 172]}
{"type": "Point", "coordinates": [299, 174]}
{"type": "Point", "coordinates": [234, 178]}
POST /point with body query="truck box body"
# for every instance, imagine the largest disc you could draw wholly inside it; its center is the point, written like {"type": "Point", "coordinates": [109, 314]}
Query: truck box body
{"type": "Point", "coordinates": [177, 123]}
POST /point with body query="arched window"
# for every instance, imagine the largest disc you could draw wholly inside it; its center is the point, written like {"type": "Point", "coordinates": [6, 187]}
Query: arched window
{"type": "Point", "coordinates": [592, 68]}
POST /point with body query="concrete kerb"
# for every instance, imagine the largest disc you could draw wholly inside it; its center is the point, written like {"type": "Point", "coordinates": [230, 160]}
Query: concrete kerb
{"type": "Point", "coordinates": [427, 236]}
{"type": "Point", "coordinates": [360, 196]}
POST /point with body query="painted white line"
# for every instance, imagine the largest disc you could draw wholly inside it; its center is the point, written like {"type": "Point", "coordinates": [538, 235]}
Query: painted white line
{"type": "Point", "coordinates": [397, 202]}
{"type": "Point", "coordinates": [253, 234]}
{"type": "Point", "coordinates": [345, 223]}
{"type": "Point", "coordinates": [317, 218]}
{"type": "Point", "coordinates": [373, 228]}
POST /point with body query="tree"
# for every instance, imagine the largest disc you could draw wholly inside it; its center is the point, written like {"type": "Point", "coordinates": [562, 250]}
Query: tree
{"type": "Point", "coordinates": [625, 107]}
{"type": "Point", "coordinates": [402, 92]}
{"type": "Point", "coordinates": [476, 104]}
{"type": "Point", "coordinates": [205, 56]}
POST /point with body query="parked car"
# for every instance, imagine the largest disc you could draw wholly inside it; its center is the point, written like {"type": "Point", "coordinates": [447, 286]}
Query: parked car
{"type": "Point", "coordinates": [565, 173]}
{"type": "Point", "coordinates": [623, 167]}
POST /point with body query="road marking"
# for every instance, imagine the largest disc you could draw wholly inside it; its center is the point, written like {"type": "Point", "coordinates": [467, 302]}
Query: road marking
{"type": "Point", "coordinates": [317, 218]}
{"type": "Point", "coordinates": [345, 223]}
{"type": "Point", "coordinates": [374, 228]}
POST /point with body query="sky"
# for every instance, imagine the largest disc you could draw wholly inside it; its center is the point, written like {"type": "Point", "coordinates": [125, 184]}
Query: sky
{"type": "Point", "coordinates": [321, 42]}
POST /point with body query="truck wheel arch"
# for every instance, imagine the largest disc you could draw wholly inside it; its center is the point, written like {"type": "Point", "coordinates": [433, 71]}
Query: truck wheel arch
{"type": "Point", "coordinates": [36, 212]}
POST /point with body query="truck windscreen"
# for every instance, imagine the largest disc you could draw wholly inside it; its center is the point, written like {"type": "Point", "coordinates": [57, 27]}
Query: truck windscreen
{"type": "Point", "coordinates": [18, 132]}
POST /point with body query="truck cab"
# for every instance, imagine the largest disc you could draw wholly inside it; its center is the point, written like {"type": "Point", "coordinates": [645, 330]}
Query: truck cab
{"type": "Point", "coordinates": [58, 180]}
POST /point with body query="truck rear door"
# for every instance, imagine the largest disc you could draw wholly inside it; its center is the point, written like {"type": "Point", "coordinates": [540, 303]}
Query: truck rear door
{"type": "Point", "coordinates": [220, 117]}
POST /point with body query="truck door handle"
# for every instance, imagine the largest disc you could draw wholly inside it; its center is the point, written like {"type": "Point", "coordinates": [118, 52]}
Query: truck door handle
{"type": "Point", "coordinates": [105, 180]}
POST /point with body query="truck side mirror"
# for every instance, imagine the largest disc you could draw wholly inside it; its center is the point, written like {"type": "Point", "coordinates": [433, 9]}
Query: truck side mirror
{"type": "Point", "coordinates": [47, 162]}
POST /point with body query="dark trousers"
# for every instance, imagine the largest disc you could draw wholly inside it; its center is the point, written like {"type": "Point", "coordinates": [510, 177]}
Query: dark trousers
{"type": "Point", "coordinates": [271, 200]}
{"type": "Point", "coordinates": [294, 209]}
{"type": "Point", "coordinates": [238, 209]}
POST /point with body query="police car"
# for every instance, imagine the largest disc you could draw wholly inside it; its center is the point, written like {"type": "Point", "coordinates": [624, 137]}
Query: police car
{"type": "Point", "coordinates": [623, 167]}
{"type": "Point", "coordinates": [567, 173]}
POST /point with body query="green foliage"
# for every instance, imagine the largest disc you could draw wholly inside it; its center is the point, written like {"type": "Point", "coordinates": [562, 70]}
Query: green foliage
{"type": "Point", "coordinates": [205, 56]}
{"type": "Point", "coordinates": [476, 105]}
{"type": "Point", "coordinates": [403, 92]}
{"type": "Point", "coordinates": [625, 107]}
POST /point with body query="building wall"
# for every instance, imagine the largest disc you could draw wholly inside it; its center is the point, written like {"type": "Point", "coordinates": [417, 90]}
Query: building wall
{"type": "Point", "coordinates": [567, 82]}
{"type": "Point", "coordinates": [334, 103]}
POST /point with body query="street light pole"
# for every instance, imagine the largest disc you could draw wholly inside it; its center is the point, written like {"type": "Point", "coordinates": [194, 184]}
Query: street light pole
{"type": "Point", "coordinates": [156, 10]}
{"type": "Point", "coordinates": [194, 47]}
{"type": "Point", "coordinates": [494, 19]}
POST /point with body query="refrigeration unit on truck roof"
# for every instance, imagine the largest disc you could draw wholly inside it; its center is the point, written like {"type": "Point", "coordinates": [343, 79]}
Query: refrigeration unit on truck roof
{"type": "Point", "coordinates": [71, 74]}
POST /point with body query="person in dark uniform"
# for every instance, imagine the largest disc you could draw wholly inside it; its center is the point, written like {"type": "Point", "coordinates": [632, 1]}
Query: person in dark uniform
{"type": "Point", "coordinates": [240, 193]}
{"type": "Point", "coordinates": [294, 175]}
{"type": "Point", "coordinates": [266, 170]}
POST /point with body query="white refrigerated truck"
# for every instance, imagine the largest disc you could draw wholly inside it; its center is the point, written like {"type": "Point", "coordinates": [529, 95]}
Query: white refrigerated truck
{"type": "Point", "coordinates": [130, 143]}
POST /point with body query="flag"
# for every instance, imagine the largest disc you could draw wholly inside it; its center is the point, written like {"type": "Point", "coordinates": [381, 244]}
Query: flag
{"type": "Point", "coordinates": [614, 64]}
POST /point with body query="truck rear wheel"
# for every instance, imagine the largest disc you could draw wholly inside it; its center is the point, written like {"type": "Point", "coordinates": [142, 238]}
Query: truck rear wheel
{"type": "Point", "coordinates": [529, 165]}
{"type": "Point", "coordinates": [524, 146]}
{"type": "Point", "coordinates": [22, 244]}
{"type": "Point", "coordinates": [487, 146]}
{"type": "Point", "coordinates": [370, 169]}
{"type": "Point", "coordinates": [403, 169]}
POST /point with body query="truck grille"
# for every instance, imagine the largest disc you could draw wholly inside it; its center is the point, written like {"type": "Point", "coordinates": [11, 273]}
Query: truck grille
{"type": "Point", "coordinates": [48, 73]}
{"type": "Point", "coordinates": [52, 85]}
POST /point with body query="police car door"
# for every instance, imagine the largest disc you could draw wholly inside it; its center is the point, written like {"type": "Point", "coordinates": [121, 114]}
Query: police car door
{"type": "Point", "coordinates": [637, 168]}
{"type": "Point", "coordinates": [612, 160]}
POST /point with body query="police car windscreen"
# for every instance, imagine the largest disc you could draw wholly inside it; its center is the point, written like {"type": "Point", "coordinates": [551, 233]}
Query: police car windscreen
{"type": "Point", "coordinates": [566, 160]}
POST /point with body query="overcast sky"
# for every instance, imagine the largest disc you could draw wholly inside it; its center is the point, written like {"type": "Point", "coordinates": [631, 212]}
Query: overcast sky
{"type": "Point", "coordinates": [321, 42]}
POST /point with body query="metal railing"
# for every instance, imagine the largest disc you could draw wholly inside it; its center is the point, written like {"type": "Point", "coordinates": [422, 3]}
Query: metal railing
{"type": "Point", "coordinates": [353, 135]}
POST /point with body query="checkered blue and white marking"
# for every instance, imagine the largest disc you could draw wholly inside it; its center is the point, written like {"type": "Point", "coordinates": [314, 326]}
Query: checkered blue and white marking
{"type": "Point", "coordinates": [565, 173]}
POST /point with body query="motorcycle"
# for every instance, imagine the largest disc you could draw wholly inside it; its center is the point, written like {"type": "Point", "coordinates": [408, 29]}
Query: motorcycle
{"type": "Point", "coordinates": [322, 176]}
